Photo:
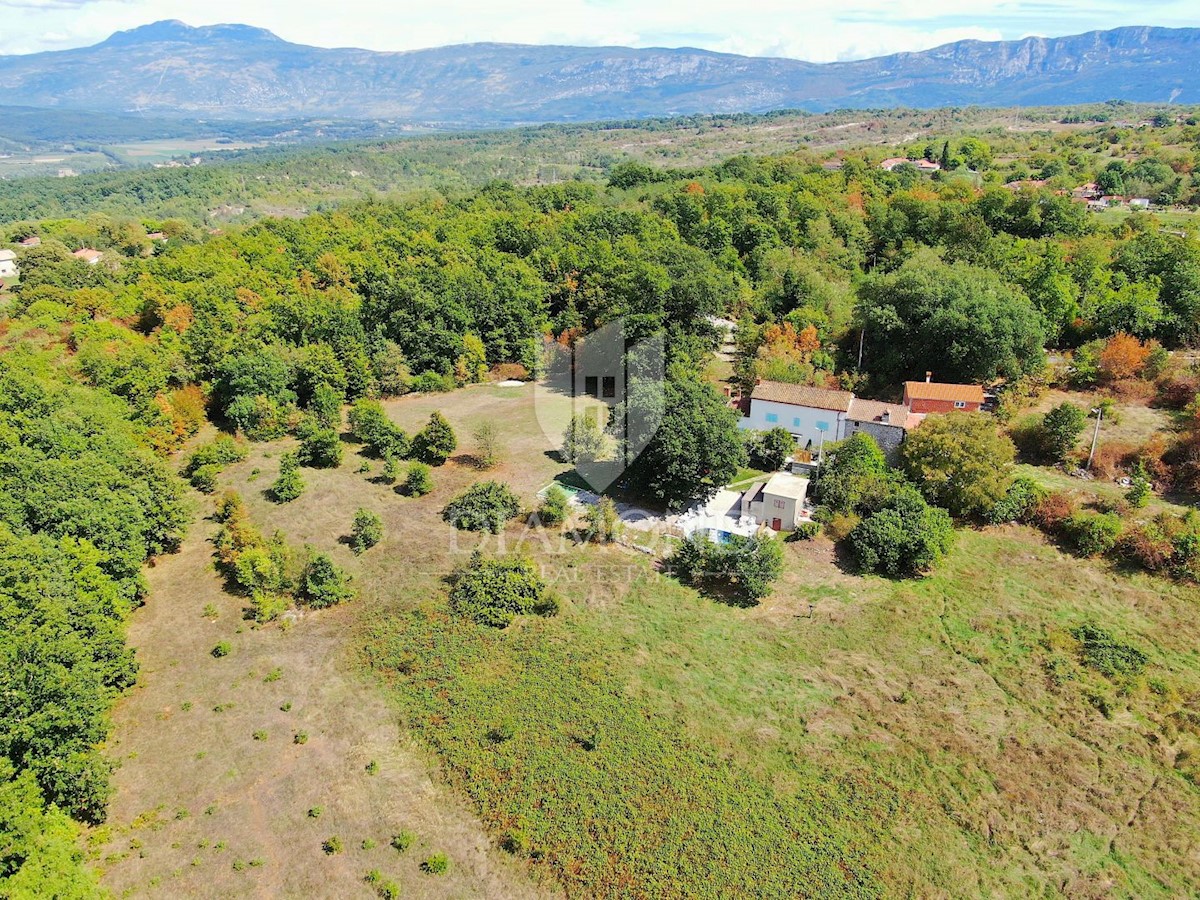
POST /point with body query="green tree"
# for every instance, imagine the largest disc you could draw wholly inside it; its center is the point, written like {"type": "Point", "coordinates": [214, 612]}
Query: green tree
{"type": "Point", "coordinates": [1060, 430]}
{"type": "Point", "coordinates": [320, 448]}
{"type": "Point", "coordinates": [366, 532]}
{"type": "Point", "coordinates": [487, 445]}
{"type": "Point", "coordinates": [583, 441]}
{"type": "Point", "coordinates": [853, 470]}
{"type": "Point", "coordinates": [769, 449]}
{"type": "Point", "coordinates": [696, 448]}
{"type": "Point", "coordinates": [604, 522]}
{"type": "Point", "coordinates": [965, 324]}
{"type": "Point", "coordinates": [290, 484]}
{"type": "Point", "coordinates": [435, 442]}
{"type": "Point", "coordinates": [326, 406]}
{"type": "Point", "coordinates": [323, 584]}
{"type": "Point", "coordinates": [553, 510]}
{"type": "Point", "coordinates": [742, 568]}
{"type": "Point", "coordinates": [419, 481]}
{"type": "Point", "coordinates": [960, 461]}
{"type": "Point", "coordinates": [371, 426]}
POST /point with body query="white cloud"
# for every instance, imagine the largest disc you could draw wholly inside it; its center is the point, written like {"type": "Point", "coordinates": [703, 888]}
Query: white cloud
{"type": "Point", "coordinates": [817, 31]}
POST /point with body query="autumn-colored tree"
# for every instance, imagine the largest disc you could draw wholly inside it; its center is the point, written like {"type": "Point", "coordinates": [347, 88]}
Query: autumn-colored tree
{"type": "Point", "coordinates": [1124, 356]}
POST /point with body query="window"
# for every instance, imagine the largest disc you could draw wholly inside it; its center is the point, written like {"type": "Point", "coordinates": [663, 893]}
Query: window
{"type": "Point", "coordinates": [591, 386]}
{"type": "Point", "coordinates": [610, 386]}
{"type": "Point", "coordinates": [772, 417]}
{"type": "Point", "coordinates": [796, 422]}
{"type": "Point", "coordinates": [960, 404]}
{"type": "Point", "coordinates": [779, 504]}
{"type": "Point", "coordinates": [822, 426]}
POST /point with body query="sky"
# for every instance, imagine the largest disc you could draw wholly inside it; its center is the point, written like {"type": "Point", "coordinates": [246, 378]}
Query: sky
{"type": "Point", "coordinates": [802, 29]}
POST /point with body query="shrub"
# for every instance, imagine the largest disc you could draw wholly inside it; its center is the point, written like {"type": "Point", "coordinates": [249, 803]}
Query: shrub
{"type": "Point", "coordinates": [1123, 356]}
{"type": "Point", "coordinates": [402, 840]}
{"type": "Point", "coordinates": [805, 531]}
{"type": "Point", "coordinates": [366, 532]}
{"type": "Point", "coordinates": [1018, 503]}
{"type": "Point", "coordinates": [742, 567]}
{"type": "Point", "coordinates": [484, 506]}
{"type": "Point", "coordinates": [495, 591]}
{"type": "Point", "coordinates": [583, 441]}
{"type": "Point", "coordinates": [222, 649]}
{"type": "Point", "coordinates": [1092, 534]}
{"type": "Point", "coordinates": [603, 521]}
{"type": "Point", "coordinates": [1139, 492]}
{"type": "Point", "coordinates": [553, 510]}
{"type": "Point", "coordinates": [204, 479]}
{"type": "Point", "coordinates": [391, 468]}
{"type": "Point", "coordinates": [323, 584]}
{"type": "Point", "coordinates": [432, 383]}
{"type": "Point", "coordinates": [374, 430]}
{"type": "Point", "coordinates": [436, 864]}
{"type": "Point", "coordinates": [289, 485]}
{"type": "Point", "coordinates": [435, 442]}
{"type": "Point", "coordinates": [1052, 510]}
{"type": "Point", "coordinates": [332, 845]}
{"type": "Point", "coordinates": [905, 537]}
{"type": "Point", "coordinates": [300, 737]}
{"type": "Point", "coordinates": [1177, 393]}
{"type": "Point", "coordinates": [487, 445]}
{"type": "Point", "coordinates": [419, 481]}
{"type": "Point", "coordinates": [266, 606]}
{"type": "Point", "coordinates": [1060, 430]}
{"type": "Point", "coordinates": [221, 452]}
{"type": "Point", "coordinates": [1100, 651]}
{"type": "Point", "coordinates": [1149, 545]}
{"type": "Point", "coordinates": [320, 448]}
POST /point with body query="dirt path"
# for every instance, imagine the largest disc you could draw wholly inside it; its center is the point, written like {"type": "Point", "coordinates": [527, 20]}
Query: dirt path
{"type": "Point", "coordinates": [214, 790]}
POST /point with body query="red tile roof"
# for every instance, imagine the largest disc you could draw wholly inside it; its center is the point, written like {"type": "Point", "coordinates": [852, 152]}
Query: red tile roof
{"type": "Point", "coordinates": [803, 395]}
{"type": "Point", "coordinates": [925, 390]}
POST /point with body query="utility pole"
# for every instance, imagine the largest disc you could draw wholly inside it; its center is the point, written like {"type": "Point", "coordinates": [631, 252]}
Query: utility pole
{"type": "Point", "coordinates": [1099, 411]}
{"type": "Point", "coordinates": [862, 334]}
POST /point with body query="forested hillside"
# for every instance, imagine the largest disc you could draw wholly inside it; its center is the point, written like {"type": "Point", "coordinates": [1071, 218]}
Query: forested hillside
{"type": "Point", "coordinates": [839, 276]}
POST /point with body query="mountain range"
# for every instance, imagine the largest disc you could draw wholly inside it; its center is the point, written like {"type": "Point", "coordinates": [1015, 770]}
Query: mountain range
{"type": "Point", "coordinates": [238, 72]}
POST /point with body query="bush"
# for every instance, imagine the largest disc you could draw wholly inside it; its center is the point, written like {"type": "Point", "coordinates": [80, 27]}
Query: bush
{"type": "Point", "coordinates": [366, 532]}
{"type": "Point", "coordinates": [484, 506]}
{"type": "Point", "coordinates": [1060, 430]}
{"type": "Point", "coordinates": [323, 584]}
{"type": "Point", "coordinates": [487, 445]}
{"type": "Point", "coordinates": [583, 441]}
{"type": "Point", "coordinates": [374, 430]}
{"type": "Point", "coordinates": [1092, 534]}
{"type": "Point", "coordinates": [320, 448]}
{"type": "Point", "coordinates": [402, 840]}
{"type": "Point", "coordinates": [905, 537]}
{"type": "Point", "coordinates": [332, 845]}
{"type": "Point", "coordinates": [742, 567]}
{"type": "Point", "coordinates": [805, 531]}
{"type": "Point", "coordinates": [553, 510]}
{"type": "Point", "coordinates": [603, 521]}
{"type": "Point", "coordinates": [495, 591]}
{"type": "Point", "coordinates": [432, 383]}
{"type": "Point", "coordinates": [221, 452]}
{"type": "Point", "coordinates": [419, 481]}
{"type": "Point", "coordinates": [204, 479]}
{"type": "Point", "coordinates": [1150, 545]}
{"type": "Point", "coordinates": [437, 864]}
{"type": "Point", "coordinates": [768, 449]}
{"type": "Point", "coordinates": [290, 484]}
{"type": "Point", "coordinates": [1018, 503]}
{"type": "Point", "coordinates": [435, 442]}
{"type": "Point", "coordinates": [1100, 651]}
{"type": "Point", "coordinates": [1139, 492]}
{"type": "Point", "coordinates": [222, 649]}
{"type": "Point", "coordinates": [391, 468]}
{"type": "Point", "coordinates": [1052, 510]}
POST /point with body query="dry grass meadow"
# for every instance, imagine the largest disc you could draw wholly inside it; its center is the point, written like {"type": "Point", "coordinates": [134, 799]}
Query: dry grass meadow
{"type": "Point", "coordinates": [983, 757]}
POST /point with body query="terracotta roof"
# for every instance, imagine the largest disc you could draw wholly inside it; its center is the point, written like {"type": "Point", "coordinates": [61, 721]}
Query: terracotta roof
{"type": "Point", "coordinates": [874, 410]}
{"type": "Point", "coordinates": [87, 254]}
{"type": "Point", "coordinates": [924, 390]}
{"type": "Point", "coordinates": [803, 395]}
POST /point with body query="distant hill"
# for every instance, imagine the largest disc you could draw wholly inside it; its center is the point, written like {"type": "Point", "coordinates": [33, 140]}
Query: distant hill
{"type": "Point", "coordinates": [239, 72]}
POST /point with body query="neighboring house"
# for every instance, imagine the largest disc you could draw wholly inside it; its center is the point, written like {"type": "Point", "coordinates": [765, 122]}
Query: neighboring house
{"type": "Point", "coordinates": [927, 165]}
{"type": "Point", "coordinates": [157, 236]}
{"type": "Point", "coordinates": [777, 503]}
{"type": "Point", "coordinates": [1097, 204]}
{"type": "Point", "coordinates": [1139, 203]}
{"type": "Point", "coordinates": [1089, 191]}
{"type": "Point", "coordinates": [813, 415]}
{"type": "Point", "coordinates": [888, 423]}
{"type": "Point", "coordinates": [8, 264]}
{"type": "Point", "coordinates": [891, 162]}
{"type": "Point", "coordinates": [31, 241]}
{"type": "Point", "coordinates": [88, 255]}
{"type": "Point", "coordinates": [929, 396]}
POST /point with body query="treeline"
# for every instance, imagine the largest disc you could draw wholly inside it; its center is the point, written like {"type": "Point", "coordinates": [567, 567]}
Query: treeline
{"type": "Point", "coordinates": [83, 504]}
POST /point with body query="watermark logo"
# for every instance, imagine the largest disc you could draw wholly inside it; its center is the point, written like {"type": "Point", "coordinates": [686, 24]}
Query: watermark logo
{"type": "Point", "coordinates": [601, 399]}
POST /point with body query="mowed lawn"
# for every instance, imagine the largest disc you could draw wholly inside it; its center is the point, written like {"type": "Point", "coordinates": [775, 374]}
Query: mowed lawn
{"type": "Point", "coordinates": [848, 737]}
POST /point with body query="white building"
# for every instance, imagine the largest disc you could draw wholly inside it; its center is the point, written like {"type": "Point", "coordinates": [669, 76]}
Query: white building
{"type": "Point", "coordinates": [813, 415]}
{"type": "Point", "coordinates": [777, 503]}
{"type": "Point", "coordinates": [8, 264]}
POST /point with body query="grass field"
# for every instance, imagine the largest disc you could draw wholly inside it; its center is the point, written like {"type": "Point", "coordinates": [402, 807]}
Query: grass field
{"type": "Point", "coordinates": [847, 737]}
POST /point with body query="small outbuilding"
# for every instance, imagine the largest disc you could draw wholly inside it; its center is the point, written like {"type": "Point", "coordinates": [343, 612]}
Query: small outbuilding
{"type": "Point", "coordinates": [777, 503]}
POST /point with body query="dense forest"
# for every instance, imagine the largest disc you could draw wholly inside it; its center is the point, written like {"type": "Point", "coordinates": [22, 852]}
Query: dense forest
{"type": "Point", "coordinates": [851, 276]}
